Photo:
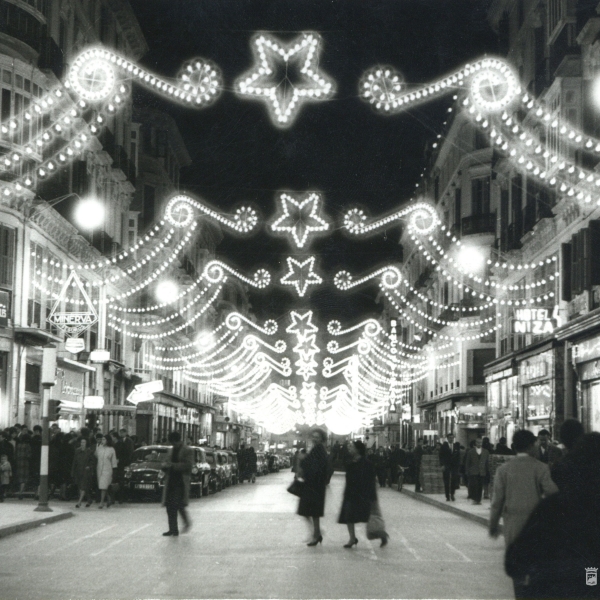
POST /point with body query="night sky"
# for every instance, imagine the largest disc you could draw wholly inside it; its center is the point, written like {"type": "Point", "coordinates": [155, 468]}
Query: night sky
{"type": "Point", "coordinates": [341, 148]}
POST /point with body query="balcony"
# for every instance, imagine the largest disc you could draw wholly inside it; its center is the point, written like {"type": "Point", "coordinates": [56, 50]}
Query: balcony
{"type": "Point", "coordinates": [476, 224]}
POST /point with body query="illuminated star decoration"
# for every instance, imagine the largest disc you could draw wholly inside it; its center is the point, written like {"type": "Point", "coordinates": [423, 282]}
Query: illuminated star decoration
{"type": "Point", "coordinates": [302, 324]}
{"type": "Point", "coordinates": [301, 274]}
{"type": "Point", "coordinates": [300, 218]}
{"type": "Point", "coordinates": [269, 80]}
{"type": "Point", "coordinates": [307, 348]}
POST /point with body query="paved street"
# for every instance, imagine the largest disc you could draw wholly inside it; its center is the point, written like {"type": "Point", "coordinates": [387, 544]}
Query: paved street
{"type": "Point", "coordinates": [247, 542]}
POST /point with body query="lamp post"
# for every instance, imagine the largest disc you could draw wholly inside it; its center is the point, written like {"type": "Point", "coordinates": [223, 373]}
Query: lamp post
{"type": "Point", "coordinates": [48, 380]}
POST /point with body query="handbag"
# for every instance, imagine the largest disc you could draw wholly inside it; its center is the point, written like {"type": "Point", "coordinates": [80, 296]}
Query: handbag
{"type": "Point", "coordinates": [375, 524]}
{"type": "Point", "coordinates": [296, 487]}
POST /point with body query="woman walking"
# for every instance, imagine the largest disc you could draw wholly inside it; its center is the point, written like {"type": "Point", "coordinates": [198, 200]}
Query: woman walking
{"type": "Point", "coordinates": [22, 458]}
{"type": "Point", "coordinates": [107, 461]}
{"type": "Point", "coordinates": [314, 471]}
{"type": "Point", "coordinates": [82, 472]}
{"type": "Point", "coordinates": [360, 493]}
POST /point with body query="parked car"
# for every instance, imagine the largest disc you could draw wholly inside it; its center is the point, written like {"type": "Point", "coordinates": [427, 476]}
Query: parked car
{"type": "Point", "coordinates": [145, 477]}
{"type": "Point", "coordinates": [217, 473]}
{"type": "Point", "coordinates": [273, 463]}
{"type": "Point", "coordinates": [223, 460]}
{"type": "Point", "coordinates": [262, 467]}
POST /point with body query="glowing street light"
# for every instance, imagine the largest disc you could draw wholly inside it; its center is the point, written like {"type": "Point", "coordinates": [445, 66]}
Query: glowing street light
{"type": "Point", "coordinates": [89, 213]}
{"type": "Point", "coordinates": [471, 259]}
{"type": "Point", "coordinates": [167, 291]}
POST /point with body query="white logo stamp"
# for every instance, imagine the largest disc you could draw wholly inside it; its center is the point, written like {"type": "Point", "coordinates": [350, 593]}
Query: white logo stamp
{"type": "Point", "coordinates": [591, 576]}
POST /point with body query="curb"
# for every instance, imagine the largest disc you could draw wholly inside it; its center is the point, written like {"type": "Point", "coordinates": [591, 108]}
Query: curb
{"type": "Point", "coordinates": [449, 508]}
{"type": "Point", "coordinates": [25, 525]}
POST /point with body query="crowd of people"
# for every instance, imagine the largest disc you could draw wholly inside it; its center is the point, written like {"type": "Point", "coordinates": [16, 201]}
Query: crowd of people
{"type": "Point", "coordinates": [85, 464]}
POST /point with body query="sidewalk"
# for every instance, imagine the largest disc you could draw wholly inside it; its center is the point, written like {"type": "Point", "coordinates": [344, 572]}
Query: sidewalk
{"type": "Point", "coordinates": [461, 506]}
{"type": "Point", "coordinates": [19, 515]}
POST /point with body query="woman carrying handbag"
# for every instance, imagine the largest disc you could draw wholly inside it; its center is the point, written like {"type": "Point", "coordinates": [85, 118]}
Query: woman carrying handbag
{"type": "Point", "coordinates": [360, 504]}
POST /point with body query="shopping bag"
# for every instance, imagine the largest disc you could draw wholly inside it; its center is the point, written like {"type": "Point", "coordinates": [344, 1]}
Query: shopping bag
{"type": "Point", "coordinates": [376, 524]}
{"type": "Point", "coordinates": [296, 487]}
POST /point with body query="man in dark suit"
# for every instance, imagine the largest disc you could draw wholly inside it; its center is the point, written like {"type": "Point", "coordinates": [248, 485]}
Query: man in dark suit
{"type": "Point", "coordinates": [446, 463]}
{"type": "Point", "coordinates": [418, 457]}
{"type": "Point", "coordinates": [176, 492]}
{"type": "Point", "coordinates": [546, 452]}
{"type": "Point", "coordinates": [477, 468]}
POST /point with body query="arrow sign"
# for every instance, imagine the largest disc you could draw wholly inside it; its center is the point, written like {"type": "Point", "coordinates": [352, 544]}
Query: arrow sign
{"type": "Point", "coordinates": [151, 387]}
{"type": "Point", "coordinates": [136, 397]}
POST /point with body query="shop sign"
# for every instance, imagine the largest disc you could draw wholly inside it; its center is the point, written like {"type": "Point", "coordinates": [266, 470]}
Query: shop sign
{"type": "Point", "coordinates": [534, 320]}
{"type": "Point", "coordinates": [500, 375]}
{"type": "Point", "coordinates": [4, 307]}
{"type": "Point", "coordinates": [590, 370]}
{"type": "Point", "coordinates": [587, 350]}
{"type": "Point", "coordinates": [74, 345]}
{"type": "Point", "coordinates": [580, 305]}
{"type": "Point", "coordinates": [73, 323]}
{"type": "Point", "coordinates": [536, 368]}
{"type": "Point", "coordinates": [69, 384]}
{"type": "Point", "coordinates": [187, 415]}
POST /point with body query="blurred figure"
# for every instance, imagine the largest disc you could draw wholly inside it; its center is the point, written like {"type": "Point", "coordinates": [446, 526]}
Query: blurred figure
{"type": "Point", "coordinates": [445, 455]}
{"type": "Point", "coordinates": [485, 444]}
{"type": "Point", "coordinates": [360, 492]}
{"type": "Point", "coordinates": [251, 463]}
{"type": "Point", "coordinates": [83, 472]}
{"type": "Point", "coordinates": [502, 448]}
{"type": "Point", "coordinates": [176, 492]}
{"type": "Point", "coordinates": [22, 458]}
{"type": "Point", "coordinates": [518, 488]}
{"type": "Point", "coordinates": [561, 540]}
{"type": "Point", "coordinates": [314, 470]}
{"type": "Point", "coordinates": [5, 475]}
{"type": "Point", "coordinates": [418, 459]}
{"type": "Point", "coordinates": [570, 432]}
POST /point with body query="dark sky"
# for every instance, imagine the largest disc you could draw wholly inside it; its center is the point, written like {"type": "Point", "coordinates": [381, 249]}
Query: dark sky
{"type": "Point", "coordinates": [341, 148]}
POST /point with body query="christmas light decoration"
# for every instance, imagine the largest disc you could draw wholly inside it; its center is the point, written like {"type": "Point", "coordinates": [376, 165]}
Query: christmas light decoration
{"type": "Point", "coordinates": [300, 217]}
{"type": "Point", "coordinates": [390, 278]}
{"type": "Point", "coordinates": [381, 87]}
{"type": "Point", "coordinates": [302, 324]}
{"type": "Point", "coordinates": [423, 219]}
{"type": "Point", "coordinates": [301, 274]}
{"type": "Point", "coordinates": [285, 97]}
{"type": "Point", "coordinates": [93, 74]}
{"type": "Point", "coordinates": [180, 213]}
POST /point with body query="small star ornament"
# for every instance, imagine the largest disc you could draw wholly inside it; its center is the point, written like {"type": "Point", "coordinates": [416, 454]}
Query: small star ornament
{"type": "Point", "coordinates": [299, 217]}
{"type": "Point", "coordinates": [301, 274]}
{"type": "Point", "coordinates": [302, 324]}
{"type": "Point", "coordinates": [286, 75]}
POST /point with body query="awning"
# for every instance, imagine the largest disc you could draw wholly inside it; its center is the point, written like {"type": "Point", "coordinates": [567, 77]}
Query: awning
{"type": "Point", "coordinates": [472, 410]}
{"type": "Point", "coordinates": [71, 408]}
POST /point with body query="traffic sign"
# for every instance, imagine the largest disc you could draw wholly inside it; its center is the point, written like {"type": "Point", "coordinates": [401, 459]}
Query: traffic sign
{"type": "Point", "coordinates": [74, 345]}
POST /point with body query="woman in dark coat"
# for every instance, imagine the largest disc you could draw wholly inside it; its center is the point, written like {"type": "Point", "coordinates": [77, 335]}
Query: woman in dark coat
{"type": "Point", "coordinates": [83, 472]}
{"type": "Point", "coordinates": [314, 470]}
{"type": "Point", "coordinates": [360, 491]}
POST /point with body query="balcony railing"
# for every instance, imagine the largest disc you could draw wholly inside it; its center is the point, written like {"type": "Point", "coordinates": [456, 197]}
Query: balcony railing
{"type": "Point", "coordinates": [484, 223]}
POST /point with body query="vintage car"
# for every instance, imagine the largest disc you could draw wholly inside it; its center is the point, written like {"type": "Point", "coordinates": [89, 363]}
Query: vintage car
{"type": "Point", "coordinates": [217, 472]}
{"type": "Point", "coordinates": [145, 477]}
{"type": "Point", "coordinates": [232, 459]}
{"type": "Point", "coordinates": [262, 467]}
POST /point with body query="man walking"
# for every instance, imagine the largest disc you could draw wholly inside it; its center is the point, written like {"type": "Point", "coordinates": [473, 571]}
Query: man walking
{"type": "Point", "coordinates": [176, 493]}
{"type": "Point", "coordinates": [548, 453]}
{"type": "Point", "coordinates": [447, 460]}
{"type": "Point", "coordinates": [477, 468]}
{"type": "Point", "coordinates": [418, 457]}
{"type": "Point", "coordinates": [519, 485]}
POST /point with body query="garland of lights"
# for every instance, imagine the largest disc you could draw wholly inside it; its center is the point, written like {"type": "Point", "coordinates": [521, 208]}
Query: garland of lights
{"type": "Point", "coordinates": [391, 278]}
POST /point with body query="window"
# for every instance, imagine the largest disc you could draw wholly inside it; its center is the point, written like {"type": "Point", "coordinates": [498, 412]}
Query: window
{"type": "Point", "coordinates": [476, 360]}
{"type": "Point", "coordinates": [33, 378]}
{"type": "Point", "coordinates": [480, 196]}
{"type": "Point", "coordinates": [7, 256]}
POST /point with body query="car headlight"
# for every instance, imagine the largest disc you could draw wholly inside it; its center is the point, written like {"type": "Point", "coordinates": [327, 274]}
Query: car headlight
{"type": "Point", "coordinates": [127, 473]}
{"type": "Point", "coordinates": [161, 475]}
{"type": "Point", "coordinates": [195, 471]}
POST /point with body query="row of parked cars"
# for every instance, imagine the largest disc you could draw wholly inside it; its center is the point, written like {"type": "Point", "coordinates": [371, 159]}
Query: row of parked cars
{"type": "Point", "coordinates": [213, 470]}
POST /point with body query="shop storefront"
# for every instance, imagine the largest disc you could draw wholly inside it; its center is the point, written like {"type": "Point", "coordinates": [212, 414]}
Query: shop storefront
{"type": "Point", "coordinates": [586, 360]}
{"type": "Point", "coordinates": [541, 381]}
{"type": "Point", "coordinates": [70, 389]}
{"type": "Point", "coordinates": [502, 395]}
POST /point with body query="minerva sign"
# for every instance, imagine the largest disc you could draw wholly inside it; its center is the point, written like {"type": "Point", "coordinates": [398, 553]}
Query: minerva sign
{"type": "Point", "coordinates": [75, 322]}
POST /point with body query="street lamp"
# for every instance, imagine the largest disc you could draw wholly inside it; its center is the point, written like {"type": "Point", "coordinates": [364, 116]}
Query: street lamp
{"type": "Point", "coordinates": [471, 259]}
{"type": "Point", "coordinates": [89, 213]}
{"type": "Point", "coordinates": [167, 291]}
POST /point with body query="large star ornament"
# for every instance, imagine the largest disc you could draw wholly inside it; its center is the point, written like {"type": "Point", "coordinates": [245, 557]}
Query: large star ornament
{"type": "Point", "coordinates": [301, 274]}
{"type": "Point", "coordinates": [299, 217]}
{"type": "Point", "coordinates": [269, 80]}
{"type": "Point", "coordinates": [302, 324]}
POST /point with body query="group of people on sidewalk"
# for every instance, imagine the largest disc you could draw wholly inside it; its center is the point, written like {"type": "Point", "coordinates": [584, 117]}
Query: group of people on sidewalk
{"type": "Point", "coordinates": [91, 462]}
{"type": "Point", "coordinates": [359, 505]}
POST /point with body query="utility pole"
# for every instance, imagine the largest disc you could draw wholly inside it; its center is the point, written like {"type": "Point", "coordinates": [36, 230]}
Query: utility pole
{"type": "Point", "coordinates": [48, 380]}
